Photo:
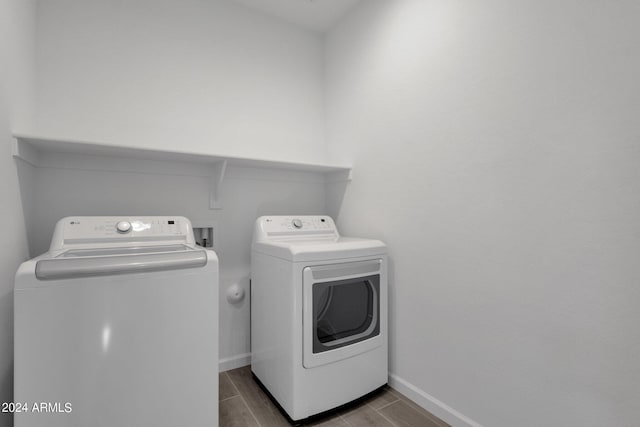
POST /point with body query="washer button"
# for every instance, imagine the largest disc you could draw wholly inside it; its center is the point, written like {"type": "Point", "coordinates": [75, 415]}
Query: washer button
{"type": "Point", "coordinates": [297, 223]}
{"type": "Point", "coordinates": [123, 227]}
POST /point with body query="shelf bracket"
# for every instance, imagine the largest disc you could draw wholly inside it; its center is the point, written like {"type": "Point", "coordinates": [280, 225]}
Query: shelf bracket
{"type": "Point", "coordinates": [217, 176]}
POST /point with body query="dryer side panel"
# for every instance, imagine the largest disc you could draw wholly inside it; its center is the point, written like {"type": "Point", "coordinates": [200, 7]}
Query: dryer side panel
{"type": "Point", "coordinates": [275, 341]}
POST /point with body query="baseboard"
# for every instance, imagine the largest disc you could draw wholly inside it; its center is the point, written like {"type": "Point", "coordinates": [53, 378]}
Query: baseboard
{"type": "Point", "coordinates": [430, 403]}
{"type": "Point", "coordinates": [234, 362]}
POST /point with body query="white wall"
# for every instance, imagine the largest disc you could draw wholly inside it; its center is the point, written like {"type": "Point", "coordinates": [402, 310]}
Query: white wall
{"type": "Point", "coordinates": [199, 75]}
{"type": "Point", "coordinates": [496, 147]}
{"type": "Point", "coordinates": [16, 74]}
{"type": "Point", "coordinates": [205, 76]}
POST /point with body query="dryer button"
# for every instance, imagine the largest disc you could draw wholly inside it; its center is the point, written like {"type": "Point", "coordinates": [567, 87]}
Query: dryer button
{"type": "Point", "coordinates": [297, 223]}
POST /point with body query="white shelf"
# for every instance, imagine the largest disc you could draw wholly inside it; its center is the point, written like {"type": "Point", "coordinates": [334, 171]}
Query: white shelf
{"type": "Point", "coordinates": [42, 151]}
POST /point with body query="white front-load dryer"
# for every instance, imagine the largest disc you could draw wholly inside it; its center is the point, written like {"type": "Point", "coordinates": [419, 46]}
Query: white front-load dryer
{"type": "Point", "coordinates": [318, 314]}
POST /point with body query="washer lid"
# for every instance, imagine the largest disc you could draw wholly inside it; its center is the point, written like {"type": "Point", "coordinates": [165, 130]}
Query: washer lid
{"type": "Point", "coordinates": [320, 250]}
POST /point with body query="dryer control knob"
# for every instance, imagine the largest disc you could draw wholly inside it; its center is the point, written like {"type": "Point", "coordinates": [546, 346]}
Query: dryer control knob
{"type": "Point", "coordinates": [123, 227]}
{"type": "Point", "coordinates": [297, 223]}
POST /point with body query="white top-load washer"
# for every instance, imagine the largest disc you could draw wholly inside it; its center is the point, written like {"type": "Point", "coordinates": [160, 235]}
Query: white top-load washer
{"type": "Point", "coordinates": [318, 314]}
{"type": "Point", "coordinates": [117, 325]}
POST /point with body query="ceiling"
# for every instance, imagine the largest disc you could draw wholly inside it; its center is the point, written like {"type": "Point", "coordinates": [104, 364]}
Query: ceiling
{"type": "Point", "coordinates": [315, 15]}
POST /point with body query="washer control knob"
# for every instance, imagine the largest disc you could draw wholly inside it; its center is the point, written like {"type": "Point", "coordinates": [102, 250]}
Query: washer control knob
{"type": "Point", "coordinates": [297, 223]}
{"type": "Point", "coordinates": [123, 227]}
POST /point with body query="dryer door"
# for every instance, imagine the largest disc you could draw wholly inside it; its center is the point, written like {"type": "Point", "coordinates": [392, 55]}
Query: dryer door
{"type": "Point", "coordinates": [341, 311]}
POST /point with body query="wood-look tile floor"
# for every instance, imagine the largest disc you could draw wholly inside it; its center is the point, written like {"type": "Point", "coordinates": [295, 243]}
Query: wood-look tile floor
{"type": "Point", "coordinates": [244, 404]}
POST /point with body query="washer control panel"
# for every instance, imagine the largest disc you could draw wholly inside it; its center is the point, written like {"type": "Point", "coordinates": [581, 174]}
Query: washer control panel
{"type": "Point", "coordinates": [96, 229]}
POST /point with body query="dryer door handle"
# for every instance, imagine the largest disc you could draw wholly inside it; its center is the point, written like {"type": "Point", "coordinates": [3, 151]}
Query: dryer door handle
{"type": "Point", "coordinates": [67, 268]}
{"type": "Point", "coordinates": [345, 270]}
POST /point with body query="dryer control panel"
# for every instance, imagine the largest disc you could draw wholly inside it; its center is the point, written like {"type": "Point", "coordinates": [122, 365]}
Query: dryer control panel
{"type": "Point", "coordinates": [274, 227]}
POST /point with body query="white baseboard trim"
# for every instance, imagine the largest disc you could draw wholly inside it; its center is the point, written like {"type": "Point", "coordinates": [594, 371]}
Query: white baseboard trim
{"type": "Point", "coordinates": [234, 362]}
{"type": "Point", "coordinates": [430, 403]}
